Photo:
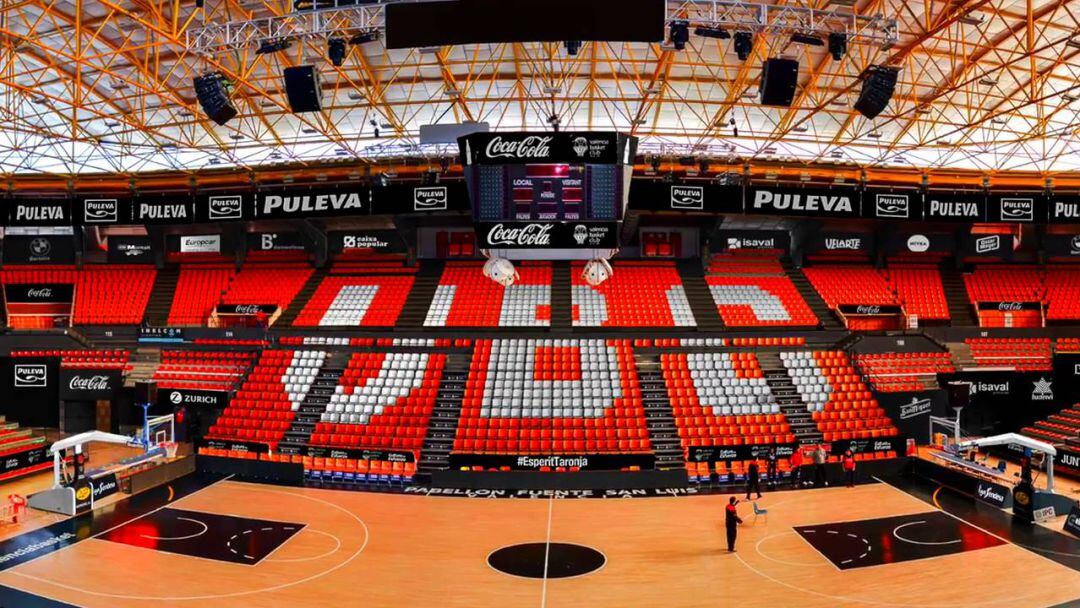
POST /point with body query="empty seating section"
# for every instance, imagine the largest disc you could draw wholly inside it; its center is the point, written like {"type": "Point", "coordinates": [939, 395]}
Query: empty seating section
{"type": "Point", "coordinates": [1058, 429]}
{"type": "Point", "coordinates": [466, 298]}
{"type": "Point", "coordinates": [1062, 293]}
{"type": "Point", "coordinates": [836, 396]}
{"type": "Point", "coordinates": [639, 294]}
{"type": "Point", "coordinates": [202, 370]}
{"type": "Point", "coordinates": [850, 285]}
{"type": "Point", "coordinates": [198, 290]}
{"type": "Point", "coordinates": [919, 290]}
{"type": "Point", "coordinates": [1023, 354]}
{"type": "Point", "coordinates": [382, 402]}
{"type": "Point", "coordinates": [264, 407]}
{"type": "Point", "coordinates": [356, 301]}
{"type": "Point", "coordinates": [759, 301]}
{"type": "Point", "coordinates": [722, 399]}
{"type": "Point", "coordinates": [552, 397]}
{"type": "Point", "coordinates": [1006, 284]}
{"type": "Point", "coordinates": [274, 284]}
{"type": "Point", "coordinates": [106, 295]}
{"type": "Point", "coordinates": [83, 359]}
{"type": "Point", "coordinates": [897, 372]}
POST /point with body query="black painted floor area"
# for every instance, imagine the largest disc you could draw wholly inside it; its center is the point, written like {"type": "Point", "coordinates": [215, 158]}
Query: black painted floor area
{"type": "Point", "coordinates": [1056, 546]}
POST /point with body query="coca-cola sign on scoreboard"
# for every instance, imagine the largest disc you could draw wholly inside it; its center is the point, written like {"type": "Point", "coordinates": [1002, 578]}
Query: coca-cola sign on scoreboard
{"type": "Point", "coordinates": [547, 235]}
{"type": "Point", "coordinates": [500, 148]}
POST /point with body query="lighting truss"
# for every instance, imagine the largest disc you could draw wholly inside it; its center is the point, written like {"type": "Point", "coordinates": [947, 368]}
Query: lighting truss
{"type": "Point", "coordinates": [766, 18]}
{"type": "Point", "coordinates": [775, 19]}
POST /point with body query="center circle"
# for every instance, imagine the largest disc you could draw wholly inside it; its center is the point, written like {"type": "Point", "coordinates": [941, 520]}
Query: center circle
{"type": "Point", "coordinates": [563, 560]}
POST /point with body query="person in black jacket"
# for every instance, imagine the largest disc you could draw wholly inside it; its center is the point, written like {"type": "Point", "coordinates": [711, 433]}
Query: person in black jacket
{"type": "Point", "coordinates": [771, 468]}
{"type": "Point", "coordinates": [731, 521]}
{"type": "Point", "coordinates": [753, 479]}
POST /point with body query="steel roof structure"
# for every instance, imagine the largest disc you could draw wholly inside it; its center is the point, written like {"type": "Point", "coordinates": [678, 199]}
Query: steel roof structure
{"type": "Point", "coordinates": [105, 86]}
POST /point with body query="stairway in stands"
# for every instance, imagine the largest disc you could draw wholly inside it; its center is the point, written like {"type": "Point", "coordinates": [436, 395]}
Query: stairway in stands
{"type": "Point", "coordinates": [416, 306]}
{"type": "Point", "coordinates": [562, 301]}
{"type": "Point", "coordinates": [659, 417]}
{"type": "Point", "coordinates": [961, 355]}
{"type": "Point", "coordinates": [314, 403]}
{"type": "Point", "coordinates": [699, 296]}
{"type": "Point", "coordinates": [300, 301]}
{"type": "Point", "coordinates": [161, 296]}
{"type": "Point", "coordinates": [144, 362]}
{"type": "Point", "coordinates": [956, 296]}
{"type": "Point", "coordinates": [812, 297]}
{"type": "Point", "coordinates": [442, 427]}
{"type": "Point", "coordinates": [787, 397]}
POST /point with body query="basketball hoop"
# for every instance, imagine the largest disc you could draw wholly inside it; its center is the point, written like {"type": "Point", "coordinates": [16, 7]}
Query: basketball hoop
{"type": "Point", "coordinates": [170, 448]}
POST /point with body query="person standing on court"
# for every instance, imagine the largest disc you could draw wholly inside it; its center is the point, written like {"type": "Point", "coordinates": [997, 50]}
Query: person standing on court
{"type": "Point", "coordinates": [819, 466]}
{"type": "Point", "coordinates": [796, 467]}
{"type": "Point", "coordinates": [753, 479]}
{"type": "Point", "coordinates": [849, 468]}
{"type": "Point", "coordinates": [731, 522]}
{"type": "Point", "coordinates": [770, 463]}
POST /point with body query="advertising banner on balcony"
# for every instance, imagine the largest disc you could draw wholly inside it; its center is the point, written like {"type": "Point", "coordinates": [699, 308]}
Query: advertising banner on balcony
{"type": "Point", "coordinates": [213, 208]}
{"type": "Point", "coordinates": [750, 239]}
{"type": "Point", "coordinates": [39, 249]}
{"type": "Point", "coordinates": [692, 197]}
{"type": "Point", "coordinates": [345, 201]}
{"type": "Point", "coordinates": [888, 204]}
{"type": "Point", "coordinates": [38, 212]}
{"type": "Point", "coordinates": [381, 241]}
{"type": "Point", "coordinates": [39, 293]}
{"type": "Point", "coordinates": [1064, 208]}
{"type": "Point", "coordinates": [950, 206]}
{"type": "Point", "coordinates": [540, 462]}
{"type": "Point", "coordinates": [175, 209]}
{"type": "Point", "coordinates": [1019, 208]}
{"type": "Point", "coordinates": [274, 241]}
{"type": "Point", "coordinates": [988, 245]}
{"type": "Point", "coordinates": [101, 210]}
{"type": "Point", "coordinates": [89, 384]}
{"type": "Point", "coordinates": [836, 202]}
{"type": "Point", "coordinates": [838, 242]}
{"type": "Point", "coordinates": [908, 242]}
{"type": "Point", "coordinates": [125, 249]}
{"type": "Point", "coordinates": [412, 198]}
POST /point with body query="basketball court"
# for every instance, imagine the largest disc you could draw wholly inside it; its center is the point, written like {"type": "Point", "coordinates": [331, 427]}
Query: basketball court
{"type": "Point", "coordinates": [232, 543]}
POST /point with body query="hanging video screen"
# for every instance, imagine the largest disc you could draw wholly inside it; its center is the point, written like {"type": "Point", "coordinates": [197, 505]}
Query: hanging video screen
{"type": "Point", "coordinates": [547, 192]}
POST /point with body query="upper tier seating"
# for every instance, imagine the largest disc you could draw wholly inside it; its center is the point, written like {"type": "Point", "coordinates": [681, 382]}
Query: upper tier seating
{"type": "Point", "coordinates": [383, 402]}
{"type": "Point", "coordinates": [722, 399]}
{"type": "Point", "coordinates": [356, 301]}
{"type": "Point", "coordinates": [265, 405]}
{"type": "Point", "coordinates": [751, 290]}
{"type": "Point", "coordinates": [104, 295]}
{"type": "Point", "coordinates": [1006, 284]}
{"type": "Point", "coordinates": [201, 369]}
{"type": "Point", "coordinates": [836, 396]}
{"type": "Point", "coordinates": [201, 287]}
{"type": "Point", "coordinates": [83, 359]}
{"type": "Point", "coordinates": [1062, 428]}
{"type": "Point", "coordinates": [919, 290]}
{"type": "Point", "coordinates": [1063, 293]}
{"type": "Point", "coordinates": [916, 288]}
{"type": "Point", "coordinates": [898, 372]}
{"type": "Point", "coordinates": [638, 294]}
{"type": "Point", "coordinates": [552, 396]}
{"type": "Point", "coordinates": [1023, 354]}
{"type": "Point", "coordinates": [466, 298]}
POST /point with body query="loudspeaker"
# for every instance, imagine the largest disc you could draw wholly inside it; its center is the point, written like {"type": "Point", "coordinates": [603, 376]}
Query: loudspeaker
{"type": "Point", "coordinates": [959, 394]}
{"type": "Point", "coordinates": [877, 89]}
{"type": "Point", "coordinates": [213, 96]}
{"type": "Point", "coordinates": [302, 89]}
{"type": "Point", "coordinates": [145, 392]}
{"type": "Point", "coordinates": [778, 80]}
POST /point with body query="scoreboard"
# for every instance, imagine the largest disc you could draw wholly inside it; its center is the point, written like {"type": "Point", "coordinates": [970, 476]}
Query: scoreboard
{"type": "Point", "coordinates": [548, 177]}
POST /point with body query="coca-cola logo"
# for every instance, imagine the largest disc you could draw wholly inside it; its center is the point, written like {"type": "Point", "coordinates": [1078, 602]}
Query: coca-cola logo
{"type": "Point", "coordinates": [247, 309]}
{"type": "Point", "coordinates": [89, 383]}
{"type": "Point", "coordinates": [529, 235]}
{"type": "Point", "coordinates": [532, 146]}
{"type": "Point", "coordinates": [1005, 306]}
{"type": "Point", "coordinates": [41, 292]}
{"type": "Point", "coordinates": [868, 310]}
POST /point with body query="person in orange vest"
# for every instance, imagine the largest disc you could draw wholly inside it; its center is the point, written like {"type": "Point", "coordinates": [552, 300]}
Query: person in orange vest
{"type": "Point", "coordinates": [796, 467]}
{"type": "Point", "coordinates": [731, 522]}
{"type": "Point", "coordinates": [849, 468]}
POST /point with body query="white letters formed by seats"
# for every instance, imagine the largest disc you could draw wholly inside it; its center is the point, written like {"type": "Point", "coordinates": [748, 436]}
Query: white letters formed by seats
{"type": "Point", "coordinates": [512, 389]}
{"type": "Point", "coordinates": [766, 306]}
{"type": "Point", "coordinates": [719, 387]}
{"type": "Point", "coordinates": [440, 305]}
{"type": "Point", "coordinates": [350, 305]}
{"type": "Point", "coordinates": [681, 314]}
{"type": "Point", "coordinates": [591, 304]}
{"type": "Point", "coordinates": [300, 374]}
{"type": "Point", "coordinates": [520, 304]}
{"type": "Point", "coordinates": [399, 375]}
{"type": "Point", "coordinates": [813, 386]}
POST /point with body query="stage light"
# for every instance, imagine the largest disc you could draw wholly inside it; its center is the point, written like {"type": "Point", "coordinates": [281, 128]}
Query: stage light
{"type": "Point", "coordinates": [744, 43]}
{"type": "Point", "coordinates": [680, 34]}
{"type": "Point", "coordinates": [807, 39]}
{"type": "Point", "coordinates": [712, 32]}
{"type": "Point", "coordinates": [273, 46]}
{"type": "Point", "coordinates": [336, 51]}
{"type": "Point", "coordinates": [837, 45]}
{"type": "Point", "coordinates": [572, 47]}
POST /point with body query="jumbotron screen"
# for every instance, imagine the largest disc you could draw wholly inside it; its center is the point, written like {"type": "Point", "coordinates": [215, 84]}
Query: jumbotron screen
{"type": "Point", "coordinates": [560, 177]}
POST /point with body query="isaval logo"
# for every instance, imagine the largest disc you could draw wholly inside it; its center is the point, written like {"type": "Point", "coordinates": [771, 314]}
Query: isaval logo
{"type": "Point", "coordinates": [430, 198]}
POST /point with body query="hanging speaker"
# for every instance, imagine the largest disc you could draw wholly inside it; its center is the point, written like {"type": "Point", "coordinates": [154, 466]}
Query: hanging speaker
{"type": "Point", "coordinates": [302, 88]}
{"type": "Point", "coordinates": [213, 96]}
{"type": "Point", "coordinates": [778, 80]}
{"type": "Point", "coordinates": [145, 392]}
{"type": "Point", "coordinates": [878, 84]}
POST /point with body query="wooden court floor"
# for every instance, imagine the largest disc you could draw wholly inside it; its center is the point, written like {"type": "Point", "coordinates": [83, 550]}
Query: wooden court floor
{"type": "Point", "coordinates": [373, 550]}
